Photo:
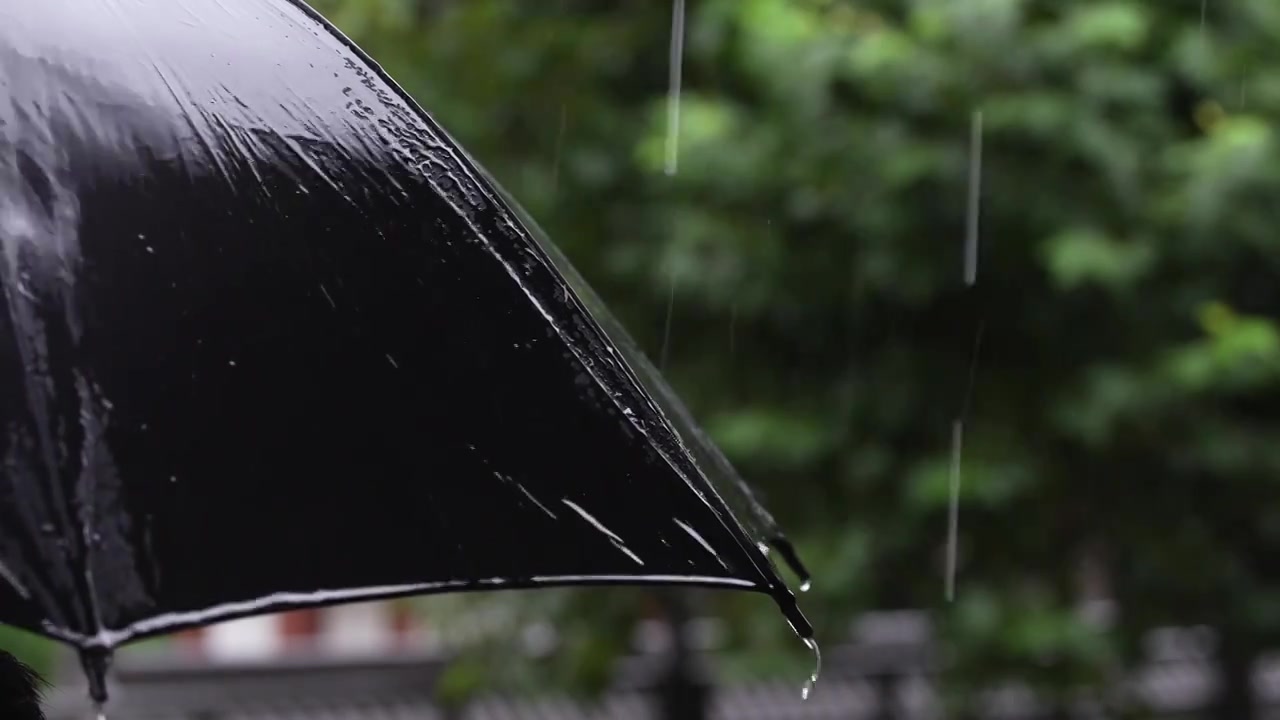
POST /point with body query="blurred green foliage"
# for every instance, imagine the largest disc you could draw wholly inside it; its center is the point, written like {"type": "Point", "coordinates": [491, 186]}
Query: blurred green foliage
{"type": "Point", "coordinates": [1123, 416]}
{"type": "Point", "coordinates": [1123, 411]}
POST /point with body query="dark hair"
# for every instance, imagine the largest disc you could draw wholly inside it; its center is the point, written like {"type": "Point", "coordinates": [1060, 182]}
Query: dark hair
{"type": "Point", "coordinates": [20, 690]}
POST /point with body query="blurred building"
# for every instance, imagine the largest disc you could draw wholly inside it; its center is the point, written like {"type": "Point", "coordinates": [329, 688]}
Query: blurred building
{"type": "Point", "coordinates": [364, 629]}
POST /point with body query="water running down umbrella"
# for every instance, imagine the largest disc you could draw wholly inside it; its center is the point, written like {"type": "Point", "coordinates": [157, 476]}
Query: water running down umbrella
{"type": "Point", "coordinates": [270, 339]}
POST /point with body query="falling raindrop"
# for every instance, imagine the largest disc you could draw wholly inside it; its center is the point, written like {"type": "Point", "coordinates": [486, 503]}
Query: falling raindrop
{"type": "Point", "coordinates": [957, 449]}
{"type": "Point", "coordinates": [673, 98]}
{"type": "Point", "coordinates": [666, 331]}
{"type": "Point", "coordinates": [812, 682]}
{"type": "Point", "coordinates": [953, 507]}
{"type": "Point", "coordinates": [733, 329]}
{"type": "Point", "coordinates": [973, 214]}
{"type": "Point", "coordinates": [975, 199]}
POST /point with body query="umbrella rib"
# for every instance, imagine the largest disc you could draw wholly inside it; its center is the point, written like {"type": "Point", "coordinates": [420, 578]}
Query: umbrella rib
{"type": "Point", "coordinates": [285, 600]}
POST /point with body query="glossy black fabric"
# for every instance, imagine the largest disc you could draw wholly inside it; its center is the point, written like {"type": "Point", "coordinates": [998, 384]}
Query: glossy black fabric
{"type": "Point", "coordinates": [268, 339]}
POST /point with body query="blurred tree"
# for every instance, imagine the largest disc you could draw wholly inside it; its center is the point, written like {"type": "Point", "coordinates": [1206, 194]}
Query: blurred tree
{"type": "Point", "coordinates": [1124, 402]}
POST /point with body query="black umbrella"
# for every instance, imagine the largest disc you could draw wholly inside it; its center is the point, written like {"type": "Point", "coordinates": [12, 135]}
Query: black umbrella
{"type": "Point", "coordinates": [269, 339]}
{"type": "Point", "coordinates": [19, 690]}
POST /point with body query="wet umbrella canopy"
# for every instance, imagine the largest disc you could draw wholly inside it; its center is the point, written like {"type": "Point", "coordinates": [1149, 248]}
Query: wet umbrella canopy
{"type": "Point", "coordinates": [269, 339]}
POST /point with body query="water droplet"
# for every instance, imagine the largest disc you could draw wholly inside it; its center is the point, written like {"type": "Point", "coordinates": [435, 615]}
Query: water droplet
{"type": "Point", "coordinates": [151, 250]}
{"type": "Point", "coordinates": [806, 586]}
{"type": "Point", "coordinates": [95, 662]}
{"type": "Point", "coordinates": [232, 363]}
{"type": "Point", "coordinates": [953, 508]}
{"type": "Point", "coordinates": [812, 682]}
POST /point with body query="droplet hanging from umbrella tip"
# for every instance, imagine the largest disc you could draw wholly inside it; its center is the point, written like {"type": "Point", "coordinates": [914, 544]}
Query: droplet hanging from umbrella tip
{"type": "Point", "coordinates": [812, 681]}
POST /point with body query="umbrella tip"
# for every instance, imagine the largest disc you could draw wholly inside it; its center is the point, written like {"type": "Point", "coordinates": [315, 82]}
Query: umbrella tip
{"type": "Point", "coordinates": [95, 662]}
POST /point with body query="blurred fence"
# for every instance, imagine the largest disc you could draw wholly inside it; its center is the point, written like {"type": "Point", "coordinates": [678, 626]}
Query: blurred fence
{"type": "Point", "coordinates": [891, 673]}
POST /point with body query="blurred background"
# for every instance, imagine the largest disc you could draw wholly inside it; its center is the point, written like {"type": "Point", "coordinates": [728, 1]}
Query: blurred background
{"type": "Point", "coordinates": [1114, 373]}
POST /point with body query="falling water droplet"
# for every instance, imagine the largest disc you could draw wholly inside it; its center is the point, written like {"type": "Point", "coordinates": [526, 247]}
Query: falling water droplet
{"type": "Point", "coordinates": [975, 199]}
{"type": "Point", "coordinates": [673, 98]}
{"type": "Point", "coordinates": [95, 662]}
{"type": "Point", "coordinates": [102, 714]}
{"type": "Point", "coordinates": [812, 682]}
{"type": "Point", "coordinates": [806, 586]}
{"type": "Point", "coordinates": [953, 508]}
